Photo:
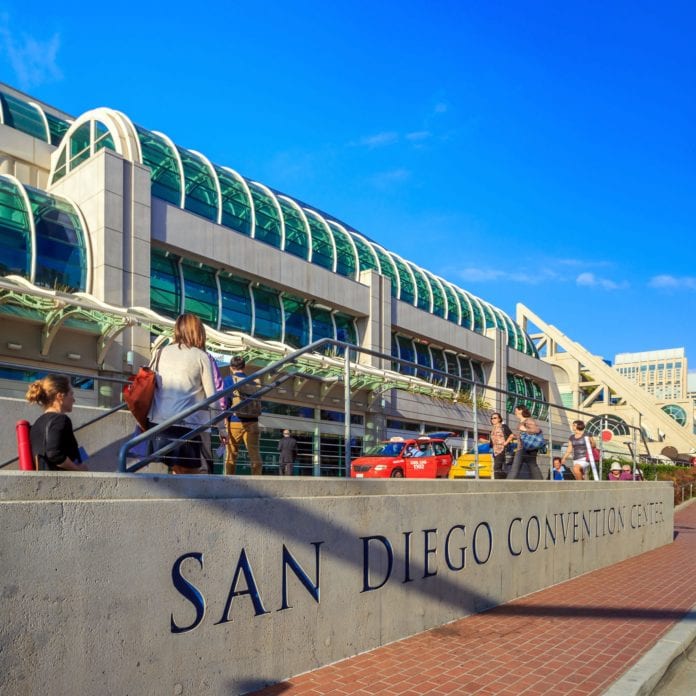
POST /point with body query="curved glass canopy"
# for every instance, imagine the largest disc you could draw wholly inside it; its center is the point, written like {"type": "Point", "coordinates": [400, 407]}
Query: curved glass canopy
{"type": "Point", "coordinates": [30, 118]}
{"type": "Point", "coordinates": [187, 179]}
{"type": "Point", "coordinates": [42, 237]}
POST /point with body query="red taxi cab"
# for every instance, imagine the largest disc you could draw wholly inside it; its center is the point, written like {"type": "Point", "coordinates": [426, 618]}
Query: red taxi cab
{"type": "Point", "coordinates": [424, 457]}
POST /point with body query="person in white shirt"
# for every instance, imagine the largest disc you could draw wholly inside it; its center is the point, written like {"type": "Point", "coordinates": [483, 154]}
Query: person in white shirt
{"type": "Point", "coordinates": [184, 378]}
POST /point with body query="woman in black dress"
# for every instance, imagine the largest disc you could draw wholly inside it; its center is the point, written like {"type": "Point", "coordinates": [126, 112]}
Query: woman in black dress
{"type": "Point", "coordinates": [52, 439]}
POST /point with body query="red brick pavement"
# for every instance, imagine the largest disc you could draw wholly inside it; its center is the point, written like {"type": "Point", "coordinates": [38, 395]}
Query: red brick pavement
{"type": "Point", "coordinates": [574, 639]}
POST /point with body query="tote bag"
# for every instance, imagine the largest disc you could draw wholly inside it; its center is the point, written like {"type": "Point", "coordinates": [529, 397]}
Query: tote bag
{"type": "Point", "coordinates": [140, 391]}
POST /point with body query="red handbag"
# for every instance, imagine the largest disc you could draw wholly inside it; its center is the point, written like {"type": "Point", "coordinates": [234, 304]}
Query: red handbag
{"type": "Point", "coordinates": [139, 393]}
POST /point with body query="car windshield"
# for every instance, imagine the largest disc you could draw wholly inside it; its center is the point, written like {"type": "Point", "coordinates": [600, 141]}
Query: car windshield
{"type": "Point", "coordinates": [384, 449]}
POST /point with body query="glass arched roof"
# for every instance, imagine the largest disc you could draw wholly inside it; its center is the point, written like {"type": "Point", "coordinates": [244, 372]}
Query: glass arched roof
{"type": "Point", "coordinates": [43, 238]}
{"type": "Point", "coordinates": [30, 118]}
{"type": "Point", "coordinates": [187, 179]}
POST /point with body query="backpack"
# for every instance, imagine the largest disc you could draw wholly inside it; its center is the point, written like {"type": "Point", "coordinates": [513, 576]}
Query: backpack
{"type": "Point", "coordinates": [251, 409]}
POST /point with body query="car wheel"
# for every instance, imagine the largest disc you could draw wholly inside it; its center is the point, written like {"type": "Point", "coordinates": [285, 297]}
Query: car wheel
{"type": "Point", "coordinates": [397, 473]}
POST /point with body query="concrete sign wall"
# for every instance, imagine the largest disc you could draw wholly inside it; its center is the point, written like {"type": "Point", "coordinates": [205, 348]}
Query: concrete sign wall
{"type": "Point", "coordinates": [195, 585]}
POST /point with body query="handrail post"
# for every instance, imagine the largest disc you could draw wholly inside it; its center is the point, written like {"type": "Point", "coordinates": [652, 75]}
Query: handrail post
{"type": "Point", "coordinates": [474, 398]}
{"type": "Point", "coordinates": [346, 410]}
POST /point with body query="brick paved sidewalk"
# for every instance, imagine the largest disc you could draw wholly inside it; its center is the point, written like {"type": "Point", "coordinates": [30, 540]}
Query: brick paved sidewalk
{"type": "Point", "coordinates": [574, 639]}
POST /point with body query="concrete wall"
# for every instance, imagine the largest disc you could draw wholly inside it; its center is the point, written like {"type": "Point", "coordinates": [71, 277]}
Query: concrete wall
{"type": "Point", "coordinates": [197, 585]}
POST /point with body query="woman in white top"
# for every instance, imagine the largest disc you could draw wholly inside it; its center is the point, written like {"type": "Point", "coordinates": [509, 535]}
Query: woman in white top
{"type": "Point", "coordinates": [184, 378]}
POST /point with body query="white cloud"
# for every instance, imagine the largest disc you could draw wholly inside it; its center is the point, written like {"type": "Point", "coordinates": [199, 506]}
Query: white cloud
{"type": "Point", "coordinates": [417, 136]}
{"type": "Point", "coordinates": [33, 60]}
{"type": "Point", "coordinates": [474, 274]}
{"type": "Point", "coordinates": [441, 108]}
{"type": "Point", "coordinates": [379, 139]}
{"type": "Point", "coordinates": [590, 280]}
{"type": "Point", "coordinates": [670, 282]}
{"type": "Point", "coordinates": [387, 179]}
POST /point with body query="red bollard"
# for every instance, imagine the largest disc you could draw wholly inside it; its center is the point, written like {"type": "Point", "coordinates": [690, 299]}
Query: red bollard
{"type": "Point", "coordinates": [26, 461]}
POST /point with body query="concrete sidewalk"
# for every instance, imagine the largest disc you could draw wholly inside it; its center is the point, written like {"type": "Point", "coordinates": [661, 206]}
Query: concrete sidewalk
{"type": "Point", "coordinates": [613, 631]}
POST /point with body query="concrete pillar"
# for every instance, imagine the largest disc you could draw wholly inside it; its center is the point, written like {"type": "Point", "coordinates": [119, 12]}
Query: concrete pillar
{"type": "Point", "coordinates": [498, 375]}
{"type": "Point", "coordinates": [377, 336]}
{"type": "Point", "coordinates": [114, 198]}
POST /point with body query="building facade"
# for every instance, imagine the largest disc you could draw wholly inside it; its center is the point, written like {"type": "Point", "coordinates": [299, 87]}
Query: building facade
{"type": "Point", "coordinates": [109, 230]}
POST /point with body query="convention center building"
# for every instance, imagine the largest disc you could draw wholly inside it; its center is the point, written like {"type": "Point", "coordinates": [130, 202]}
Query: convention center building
{"type": "Point", "coordinates": [110, 230]}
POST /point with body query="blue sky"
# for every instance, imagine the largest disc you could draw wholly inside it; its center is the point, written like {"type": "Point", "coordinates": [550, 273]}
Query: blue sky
{"type": "Point", "coordinates": [535, 152]}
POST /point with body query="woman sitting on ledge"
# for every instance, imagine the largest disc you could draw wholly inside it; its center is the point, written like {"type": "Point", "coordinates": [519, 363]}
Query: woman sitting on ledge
{"type": "Point", "coordinates": [52, 439]}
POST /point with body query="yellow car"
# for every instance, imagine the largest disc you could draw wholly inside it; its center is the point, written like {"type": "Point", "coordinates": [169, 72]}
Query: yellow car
{"type": "Point", "coordinates": [465, 466]}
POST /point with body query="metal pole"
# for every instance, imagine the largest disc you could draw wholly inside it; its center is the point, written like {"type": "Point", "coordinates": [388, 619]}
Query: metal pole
{"type": "Point", "coordinates": [474, 398]}
{"type": "Point", "coordinates": [550, 449]}
{"type": "Point", "coordinates": [346, 410]}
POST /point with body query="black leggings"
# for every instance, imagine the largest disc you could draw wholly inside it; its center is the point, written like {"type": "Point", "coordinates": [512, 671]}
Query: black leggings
{"type": "Point", "coordinates": [528, 457]}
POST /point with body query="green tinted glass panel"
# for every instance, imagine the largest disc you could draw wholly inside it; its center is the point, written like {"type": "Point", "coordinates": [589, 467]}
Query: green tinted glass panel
{"type": "Point", "coordinates": [268, 319]}
{"type": "Point", "coordinates": [491, 318]}
{"type": "Point", "coordinates": [200, 292]}
{"type": "Point", "coordinates": [102, 138]}
{"type": "Point", "coordinates": [453, 369]}
{"type": "Point", "coordinates": [79, 145]}
{"type": "Point", "coordinates": [165, 284]}
{"type": "Point", "coordinates": [439, 363]}
{"type": "Point", "coordinates": [676, 412]}
{"type": "Point", "coordinates": [267, 221]}
{"type": "Point", "coordinates": [512, 391]}
{"type": "Point", "coordinates": [406, 352]}
{"type": "Point", "coordinates": [346, 263]}
{"type": "Point", "coordinates": [521, 391]}
{"type": "Point", "coordinates": [408, 292]}
{"type": "Point", "coordinates": [423, 286]}
{"type": "Point", "coordinates": [516, 338]}
{"type": "Point", "coordinates": [439, 300]}
{"type": "Point", "coordinates": [15, 231]}
{"type": "Point", "coordinates": [465, 370]}
{"type": "Point", "coordinates": [452, 306]}
{"type": "Point", "coordinates": [365, 255]}
{"type": "Point", "coordinates": [23, 116]}
{"type": "Point", "coordinates": [479, 375]}
{"type": "Point", "coordinates": [395, 353]}
{"type": "Point", "coordinates": [478, 315]}
{"type": "Point", "coordinates": [164, 169]}
{"type": "Point", "coordinates": [512, 338]}
{"type": "Point", "coordinates": [61, 259]}
{"type": "Point", "coordinates": [236, 304]}
{"type": "Point", "coordinates": [345, 329]}
{"type": "Point", "coordinates": [57, 127]}
{"type": "Point", "coordinates": [467, 314]}
{"type": "Point", "coordinates": [296, 235]}
{"type": "Point", "coordinates": [542, 410]}
{"type": "Point", "coordinates": [423, 359]}
{"type": "Point", "coordinates": [60, 170]}
{"type": "Point", "coordinates": [296, 322]}
{"type": "Point", "coordinates": [387, 269]}
{"type": "Point", "coordinates": [236, 210]}
{"type": "Point", "coordinates": [322, 248]}
{"type": "Point", "coordinates": [322, 326]}
{"type": "Point", "coordinates": [199, 186]}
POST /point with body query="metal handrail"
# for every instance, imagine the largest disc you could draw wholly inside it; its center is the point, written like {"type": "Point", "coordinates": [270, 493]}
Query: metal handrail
{"type": "Point", "coordinates": [209, 401]}
{"type": "Point", "coordinates": [275, 367]}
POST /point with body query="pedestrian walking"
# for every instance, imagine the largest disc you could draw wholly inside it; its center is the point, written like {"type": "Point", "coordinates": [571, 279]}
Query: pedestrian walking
{"type": "Point", "coordinates": [287, 447]}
